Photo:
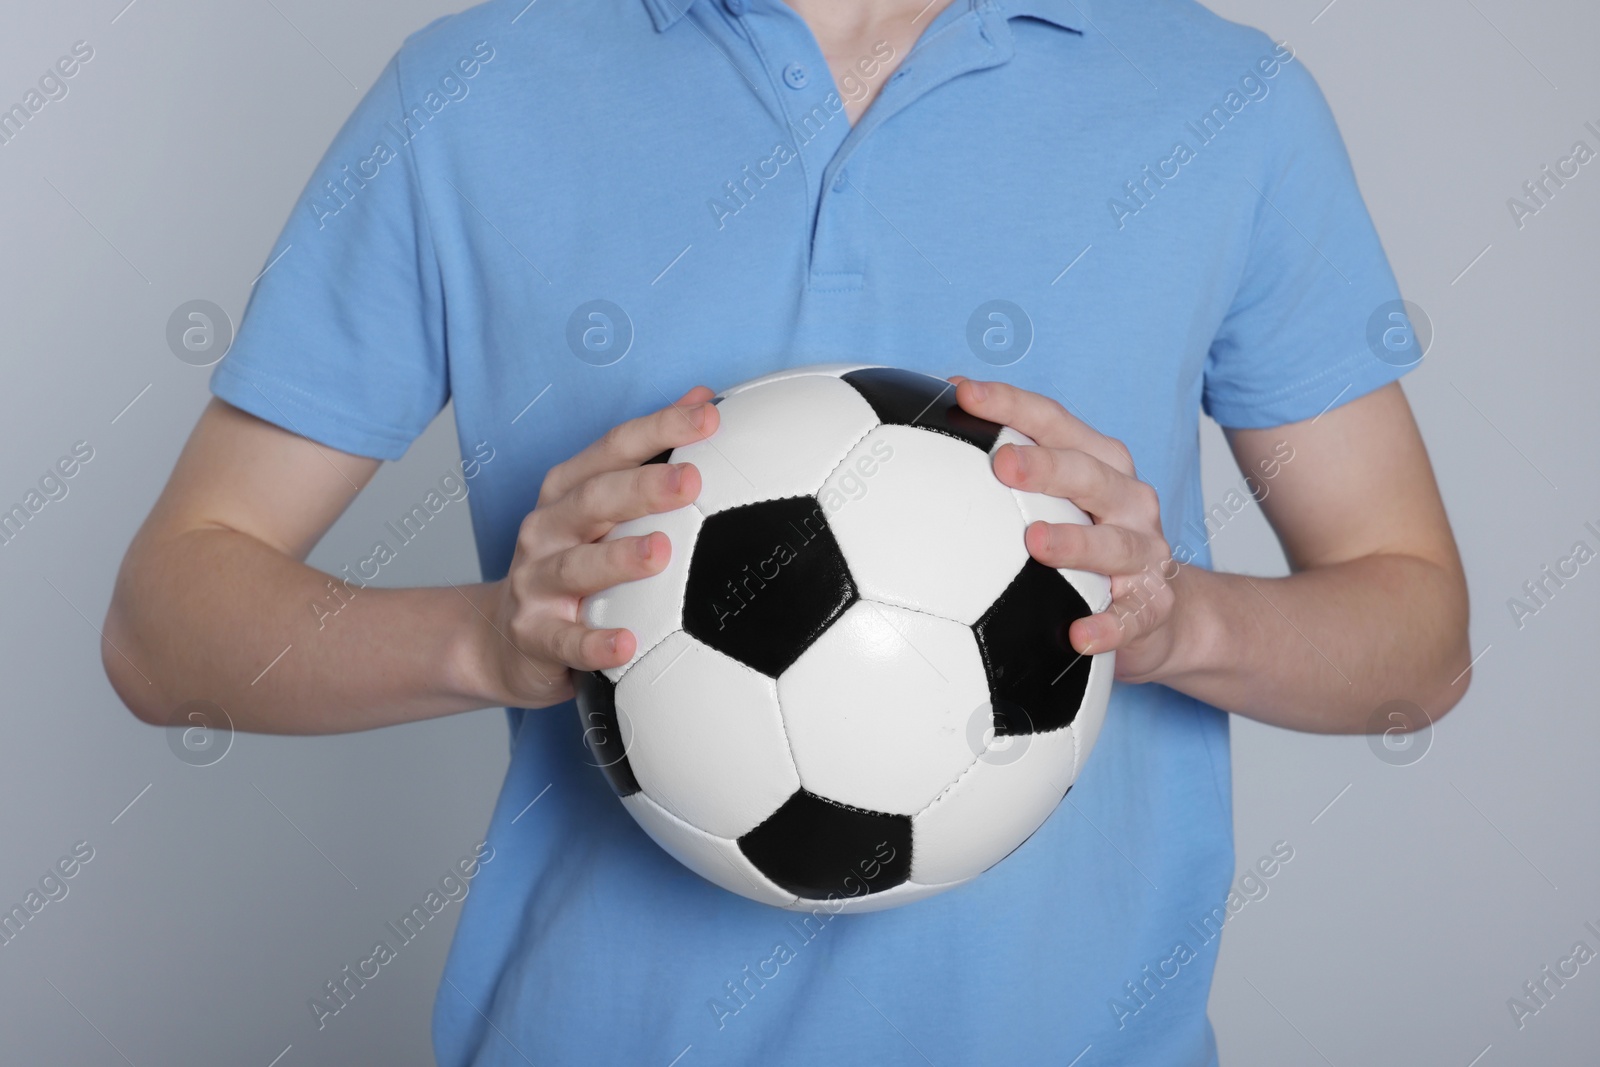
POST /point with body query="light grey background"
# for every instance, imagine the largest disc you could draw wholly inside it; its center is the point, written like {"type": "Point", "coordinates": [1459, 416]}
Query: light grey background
{"type": "Point", "coordinates": [1419, 899]}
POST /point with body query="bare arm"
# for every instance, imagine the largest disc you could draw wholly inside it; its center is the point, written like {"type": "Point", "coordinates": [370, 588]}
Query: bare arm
{"type": "Point", "coordinates": [214, 602]}
{"type": "Point", "coordinates": [1376, 609]}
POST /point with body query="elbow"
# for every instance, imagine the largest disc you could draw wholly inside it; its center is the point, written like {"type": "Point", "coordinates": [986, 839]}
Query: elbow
{"type": "Point", "coordinates": [131, 684]}
{"type": "Point", "coordinates": [1455, 674]}
{"type": "Point", "coordinates": [1453, 688]}
{"type": "Point", "coordinates": [1432, 664]}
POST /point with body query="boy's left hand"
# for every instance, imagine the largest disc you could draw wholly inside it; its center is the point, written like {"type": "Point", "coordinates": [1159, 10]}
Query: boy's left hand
{"type": "Point", "coordinates": [1074, 461]}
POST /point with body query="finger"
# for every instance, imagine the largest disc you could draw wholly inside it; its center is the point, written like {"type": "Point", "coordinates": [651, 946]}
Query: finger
{"type": "Point", "coordinates": [583, 649]}
{"type": "Point", "coordinates": [1124, 621]}
{"type": "Point", "coordinates": [1089, 482]}
{"type": "Point", "coordinates": [589, 568]}
{"type": "Point", "coordinates": [1042, 419]}
{"type": "Point", "coordinates": [1102, 549]}
{"type": "Point", "coordinates": [631, 443]}
{"type": "Point", "coordinates": [589, 511]}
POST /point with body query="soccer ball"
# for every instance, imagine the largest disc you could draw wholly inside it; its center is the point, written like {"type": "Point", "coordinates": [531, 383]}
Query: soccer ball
{"type": "Point", "coordinates": [853, 687]}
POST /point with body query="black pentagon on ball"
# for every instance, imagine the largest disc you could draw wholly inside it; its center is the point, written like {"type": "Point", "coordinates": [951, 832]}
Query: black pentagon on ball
{"type": "Point", "coordinates": [659, 457]}
{"type": "Point", "coordinates": [1034, 673]}
{"type": "Point", "coordinates": [765, 581]}
{"type": "Point", "coordinates": [815, 847]}
{"type": "Point", "coordinates": [602, 732]}
{"type": "Point", "coordinates": [906, 398]}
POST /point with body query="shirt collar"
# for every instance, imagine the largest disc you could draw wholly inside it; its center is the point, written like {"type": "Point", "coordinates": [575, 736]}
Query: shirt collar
{"type": "Point", "coordinates": [1071, 15]}
{"type": "Point", "coordinates": [666, 12]}
{"type": "Point", "coordinates": [1068, 14]}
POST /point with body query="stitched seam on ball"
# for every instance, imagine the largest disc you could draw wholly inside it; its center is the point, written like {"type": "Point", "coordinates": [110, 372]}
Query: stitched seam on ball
{"type": "Point", "coordinates": [976, 759]}
{"type": "Point", "coordinates": [852, 447]}
{"type": "Point", "coordinates": [1073, 726]}
{"type": "Point", "coordinates": [628, 669]}
{"type": "Point", "coordinates": [777, 700]}
{"type": "Point", "coordinates": [716, 837]}
{"type": "Point", "coordinates": [902, 607]}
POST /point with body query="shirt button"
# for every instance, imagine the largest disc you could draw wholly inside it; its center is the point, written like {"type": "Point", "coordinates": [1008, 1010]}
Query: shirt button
{"type": "Point", "coordinates": [838, 183]}
{"type": "Point", "coordinates": [794, 75]}
{"type": "Point", "coordinates": [736, 7]}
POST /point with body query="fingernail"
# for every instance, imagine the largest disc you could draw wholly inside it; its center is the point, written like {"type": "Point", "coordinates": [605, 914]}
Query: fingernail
{"type": "Point", "coordinates": [611, 642]}
{"type": "Point", "coordinates": [977, 390]}
{"type": "Point", "coordinates": [675, 476]}
{"type": "Point", "coordinates": [644, 547]}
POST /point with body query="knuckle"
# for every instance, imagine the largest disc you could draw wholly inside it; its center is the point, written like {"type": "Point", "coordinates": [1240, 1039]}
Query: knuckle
{"type": "Point", "coordinates": [568, 569]}
{"type": "Point", "coordinates": [524, 628]}
{"type": "Point", "coordinates": [613, 439]}
{"type": "Point", "coordinates": [566, 647]}
{"type": "Point", "coordinates": [1069, 539]}
{"type": "Point", "coordinates": [528, 531]}
{"type": "Point", "coordinates": [1148, 501]}
{"type": "Point", "coordinates": [654, 483]}
{"type": "Point", "coordinates": [622, 557]}
{"type": "Point", "coordinates": [573, 640]}
{"type": "Point", "coordinates": [671, 422]}
{"type": "Point", "coordinates": [1131, 546]}
{"type": "Point", "coordinates": [589, 496]}
{"type": "Point", "coordinates": [557, 480]}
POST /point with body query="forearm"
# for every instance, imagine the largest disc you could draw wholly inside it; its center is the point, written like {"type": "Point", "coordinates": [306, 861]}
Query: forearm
{"type": "Point", "coordinates": [1322, 649]}
{"type": "Point", "coordinates": [215, 615]}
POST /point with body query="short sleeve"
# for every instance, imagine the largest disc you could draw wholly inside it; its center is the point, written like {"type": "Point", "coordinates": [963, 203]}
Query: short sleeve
{"type": "Point", "coordinates": [1294, 340]}
{"type": "Point", "coordinates": [342, 340]}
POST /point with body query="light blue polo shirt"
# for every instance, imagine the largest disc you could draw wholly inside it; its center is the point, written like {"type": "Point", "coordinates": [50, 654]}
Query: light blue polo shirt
{"type": "Point", "coordinates": [561, 215]}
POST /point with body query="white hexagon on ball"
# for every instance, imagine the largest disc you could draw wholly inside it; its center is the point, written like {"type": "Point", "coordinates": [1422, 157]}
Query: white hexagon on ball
{"type": "Point", "coordinates": [931, 528]}
{"type": "Point", "coordinates": [777, 440]}
{"type": "Point", "coordinates": [704, 736]}
{"type": "Point", "coordinates": [876, 710]}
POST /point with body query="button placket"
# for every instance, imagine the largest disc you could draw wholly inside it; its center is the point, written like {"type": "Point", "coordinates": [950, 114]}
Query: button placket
{"type": "Point", "coordinates": [974, 41]}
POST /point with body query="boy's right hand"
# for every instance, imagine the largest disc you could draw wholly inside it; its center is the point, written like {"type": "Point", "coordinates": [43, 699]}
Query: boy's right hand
{"type": "Point", "coordinates": [529, 638]}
